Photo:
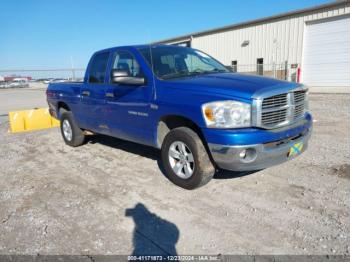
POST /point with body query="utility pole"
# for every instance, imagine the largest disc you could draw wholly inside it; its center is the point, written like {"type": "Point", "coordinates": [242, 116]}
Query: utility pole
{"type": "Point", "coordinates": [274, 57]}
{"type": "Point", "coordinates": [72, 66]}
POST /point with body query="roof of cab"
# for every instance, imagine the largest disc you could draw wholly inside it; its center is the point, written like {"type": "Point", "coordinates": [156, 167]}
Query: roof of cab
{"type": "Point", "coordinates": [136, 47]}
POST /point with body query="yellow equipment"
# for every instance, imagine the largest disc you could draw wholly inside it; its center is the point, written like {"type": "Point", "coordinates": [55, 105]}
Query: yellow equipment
{"type": "Point", "coordinates": [34, 119]}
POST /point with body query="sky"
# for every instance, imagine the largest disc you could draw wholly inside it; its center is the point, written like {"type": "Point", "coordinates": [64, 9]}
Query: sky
{"type": "Point", "coordinates": [49, 34]}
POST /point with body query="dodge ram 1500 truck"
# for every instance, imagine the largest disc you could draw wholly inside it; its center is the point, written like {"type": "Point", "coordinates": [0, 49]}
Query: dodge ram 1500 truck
{"type": "Point", "coordinates": [184, 102]}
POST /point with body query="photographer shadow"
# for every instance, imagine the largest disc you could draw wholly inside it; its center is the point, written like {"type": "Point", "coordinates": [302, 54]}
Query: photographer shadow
{"type": "Point", "coordinates": [152, 234]}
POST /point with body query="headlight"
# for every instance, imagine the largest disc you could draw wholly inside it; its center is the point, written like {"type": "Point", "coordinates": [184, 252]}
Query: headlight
{"type": "Point", "coordinates": [226, 114]}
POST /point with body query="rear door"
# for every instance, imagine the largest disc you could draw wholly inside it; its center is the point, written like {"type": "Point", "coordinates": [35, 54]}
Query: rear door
{"type": "Point", "coordinates": [128, 106]}
{"type": "Point", "coordinates": [92, 94]}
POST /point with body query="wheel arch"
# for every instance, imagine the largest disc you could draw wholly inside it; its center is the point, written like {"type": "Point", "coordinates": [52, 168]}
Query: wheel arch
{"type": "Point", "coordinates": [62, 105]}
{"type": "Point", "coordinates": [168, 122]}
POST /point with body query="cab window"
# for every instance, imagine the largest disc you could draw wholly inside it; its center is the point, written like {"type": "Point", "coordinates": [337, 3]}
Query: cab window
{"type": "Point", "coordinates": [98, 68]}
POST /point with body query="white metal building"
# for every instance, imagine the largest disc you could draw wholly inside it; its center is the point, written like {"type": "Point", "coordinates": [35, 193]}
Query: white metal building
{"type": "Point", "coordinates": [316, 40]}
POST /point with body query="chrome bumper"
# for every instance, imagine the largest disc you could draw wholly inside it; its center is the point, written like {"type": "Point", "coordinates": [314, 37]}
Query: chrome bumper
{"type": "Point", "coordinates": [257, 156]}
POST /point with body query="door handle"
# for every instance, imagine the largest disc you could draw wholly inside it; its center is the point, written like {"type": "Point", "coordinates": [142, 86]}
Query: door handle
{"type": "Point", "coordinates": [85, 93]}
{"type": "Point", "coordinates": [109, 95]}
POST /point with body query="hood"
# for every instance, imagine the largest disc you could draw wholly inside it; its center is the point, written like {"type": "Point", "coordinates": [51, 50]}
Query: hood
{"type": "Point", "coordinates": [232, 84]}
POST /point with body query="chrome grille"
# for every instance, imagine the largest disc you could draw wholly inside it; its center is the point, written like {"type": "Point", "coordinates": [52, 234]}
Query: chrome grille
{"type": "Point", "coordinates": [281, 109]}
{"type": "Point", "coordinates": [275, 117]}
{"type": "Point", "coordinates": [275, 101]}
{"type": "Point", "coordinates": [299, 96]}
{"type": "Point", "coordinates": [298, 111]}
{"type": "Point", "coordinates": [299, 102]}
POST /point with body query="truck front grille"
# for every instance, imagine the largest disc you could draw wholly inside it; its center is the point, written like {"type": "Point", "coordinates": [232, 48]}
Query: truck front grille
{"type": "Point", "coordinates": [299, 96]}
{"type": "Point", "coordinates": [275, 101]}
{"type": "Point", "coordinates": [275, 117]}
{"type": "Point", "coordinates": [281, 109]}
{"type": "Point", "coordinates": [299, 111]}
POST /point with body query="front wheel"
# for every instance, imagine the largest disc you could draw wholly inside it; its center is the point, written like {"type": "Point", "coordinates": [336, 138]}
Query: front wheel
{"type": "Point", "coordinates": [185, 159]}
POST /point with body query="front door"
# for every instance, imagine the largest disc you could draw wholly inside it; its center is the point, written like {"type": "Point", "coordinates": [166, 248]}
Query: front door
{"type": "Point", "coordinates": [127, 107]}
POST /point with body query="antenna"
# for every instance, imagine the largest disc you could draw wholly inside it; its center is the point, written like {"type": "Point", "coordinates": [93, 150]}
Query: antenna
{"type": "Point", "coordinates": [152, 66]}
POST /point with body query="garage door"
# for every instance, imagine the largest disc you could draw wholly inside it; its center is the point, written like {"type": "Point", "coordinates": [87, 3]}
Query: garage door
{"type": "Point", "coordinates": [326, 53]}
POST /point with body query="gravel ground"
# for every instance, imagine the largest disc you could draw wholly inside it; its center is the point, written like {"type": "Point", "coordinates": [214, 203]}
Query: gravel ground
{"type": "Point", "coordinates": [109, 197]}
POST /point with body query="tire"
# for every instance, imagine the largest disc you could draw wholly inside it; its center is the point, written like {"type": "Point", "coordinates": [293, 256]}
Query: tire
{"type": "Point", "coordinates": [76, 137]}
{"type": "Point", "coordinates": [202, 168]}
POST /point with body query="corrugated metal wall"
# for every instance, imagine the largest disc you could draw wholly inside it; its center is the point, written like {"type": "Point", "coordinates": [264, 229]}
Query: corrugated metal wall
{"type": "Point", "coordinates": [275, 41]}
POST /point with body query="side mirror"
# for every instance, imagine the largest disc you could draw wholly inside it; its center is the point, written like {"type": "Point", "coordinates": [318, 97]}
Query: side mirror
{"type": "Point", "coordinates": [120, 76]}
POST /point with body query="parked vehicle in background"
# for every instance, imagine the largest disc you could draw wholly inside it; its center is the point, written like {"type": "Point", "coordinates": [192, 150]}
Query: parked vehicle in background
{"type": "Point", "coordinates": [199, 114]}
{"type": "Point", "coordinates": [3, 85]}
{"type": "Point", "coordinates": [2, 82]}
{"type": "Point", "coordinates": [19, 83]}
{"type": "Point", "coordinates": [58, 80]}
{"type": "Point", "coordinates": [46, 80]}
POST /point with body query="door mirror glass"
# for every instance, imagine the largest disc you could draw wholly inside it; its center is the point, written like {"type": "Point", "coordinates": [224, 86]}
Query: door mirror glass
{"type": "Point", "coordinates": [119, 73]}
{"type": "Point", "coordinates": [126, 70]}
{"type": "Point", "coordinates": [122, 77]}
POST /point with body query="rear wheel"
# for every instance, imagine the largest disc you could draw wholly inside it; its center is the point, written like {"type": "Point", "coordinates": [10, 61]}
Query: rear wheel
{"type": "Point", "coordinates": [71, 133]}
{"type": "Point", "coordinates": [185, 159]}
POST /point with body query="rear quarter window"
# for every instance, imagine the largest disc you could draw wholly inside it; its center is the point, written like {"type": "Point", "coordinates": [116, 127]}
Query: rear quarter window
{"type": "Point", "coordinates": [98, 68]}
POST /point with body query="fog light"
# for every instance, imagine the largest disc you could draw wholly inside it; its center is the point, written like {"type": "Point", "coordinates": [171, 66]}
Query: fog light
{"type": "Point", "coordinates": [247, 155]}
{"type": "Point", "coordinates": [243, 153]}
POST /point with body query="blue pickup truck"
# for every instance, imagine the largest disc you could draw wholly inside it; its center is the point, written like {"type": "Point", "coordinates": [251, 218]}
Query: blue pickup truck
{"type": "Point", "coordinates": [187, 104]}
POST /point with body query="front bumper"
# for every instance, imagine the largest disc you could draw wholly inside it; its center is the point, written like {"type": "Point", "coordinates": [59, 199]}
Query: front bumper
{"type": "Point", "coordinates": [258, 156]}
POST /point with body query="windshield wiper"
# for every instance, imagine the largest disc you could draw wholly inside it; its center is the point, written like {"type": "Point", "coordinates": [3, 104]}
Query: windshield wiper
{"type": "Point", "coordinates": [184, 73]}
{"type": "Point", "coordinates": [175, 75]}
{"type": "Point", "coordinates": [215, 70]}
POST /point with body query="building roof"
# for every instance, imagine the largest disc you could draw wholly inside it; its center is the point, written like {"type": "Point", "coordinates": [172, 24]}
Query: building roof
{"type": "Point", "coordinates": [255, 21]}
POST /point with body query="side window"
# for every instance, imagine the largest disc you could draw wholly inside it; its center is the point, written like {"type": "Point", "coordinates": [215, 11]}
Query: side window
{"type": "Point", "coordinates": [126, 61]}
{"type": "Point", "coordinates": [98, 68]}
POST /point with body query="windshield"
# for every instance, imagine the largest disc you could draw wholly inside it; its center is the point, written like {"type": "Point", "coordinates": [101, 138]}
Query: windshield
{"type": "Point", "coordinates": [174, 62]}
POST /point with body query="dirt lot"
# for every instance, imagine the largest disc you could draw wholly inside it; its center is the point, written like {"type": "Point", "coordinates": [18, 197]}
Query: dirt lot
{"type": "Point", "coordinates": [109, 197]}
